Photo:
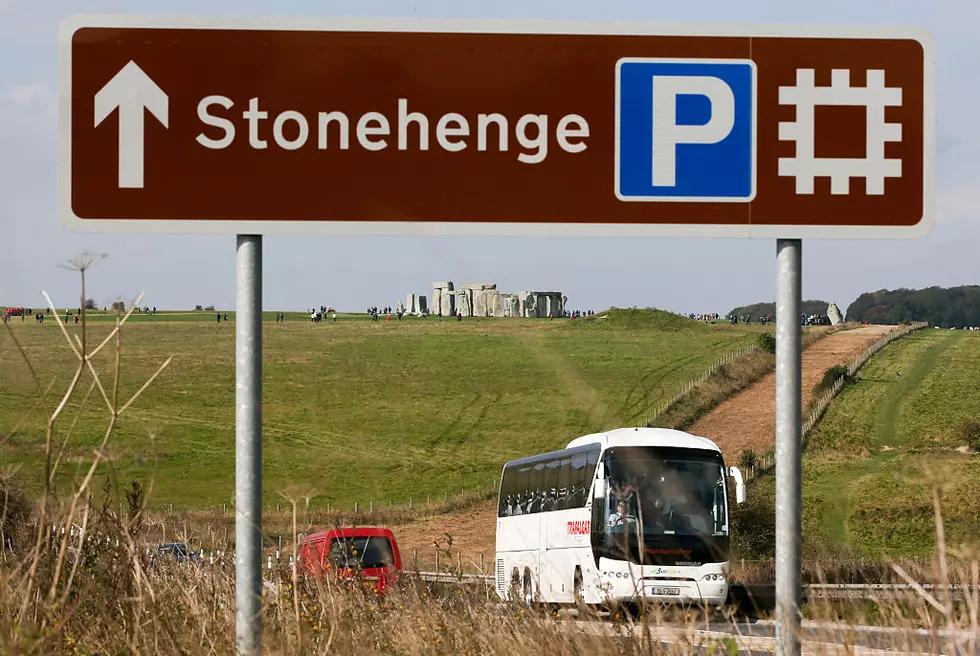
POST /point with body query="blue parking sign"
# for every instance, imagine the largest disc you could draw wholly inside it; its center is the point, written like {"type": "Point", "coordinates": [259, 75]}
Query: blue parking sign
{"type": "Point", "coordinates": [685, 130]}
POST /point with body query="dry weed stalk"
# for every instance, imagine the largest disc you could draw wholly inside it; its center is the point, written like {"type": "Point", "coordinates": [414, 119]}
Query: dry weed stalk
{"type": "Point", "coordinates": [29, 590]}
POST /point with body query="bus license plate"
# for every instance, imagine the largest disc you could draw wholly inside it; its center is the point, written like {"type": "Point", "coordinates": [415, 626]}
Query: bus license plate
{"type": "Point", "coordinates": [665, 591]}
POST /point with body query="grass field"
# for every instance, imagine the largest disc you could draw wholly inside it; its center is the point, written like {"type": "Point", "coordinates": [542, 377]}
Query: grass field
{"type": "Point", "coordinates": [866, 468]}
{"type": "Point", "coordinates": [354, 411]}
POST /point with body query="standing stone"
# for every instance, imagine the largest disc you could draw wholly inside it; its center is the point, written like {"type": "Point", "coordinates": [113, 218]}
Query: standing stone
{"type": "Point", "coordinates": [500, 304]}
{"type": "Point", "coordinates": [411, 304]}
{"type": "Point", "coordinates": [515, 305]}
{"type": "Point", "coordinates": [436, 299]}
{"type": "Point", "coordinates": [464, 304]}
{"type": "Point", "coordinates": [445, 302]}
{"type": "Point", "coordinates": [564, 304]}
{"type": "Point", "coordinates": [833, 313]}
{"type": "Point", "coordinates": [479, 303]}
{"type": "Point", "coordinates": [401, 308]}
{"type": "Point", "coordinates": [423, 308]}
{"type": "Point", "coordinates": [530, 311]}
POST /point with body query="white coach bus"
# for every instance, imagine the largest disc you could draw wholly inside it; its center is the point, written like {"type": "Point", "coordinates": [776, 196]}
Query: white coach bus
{"type": "Point", "coordinates": [615, 518]}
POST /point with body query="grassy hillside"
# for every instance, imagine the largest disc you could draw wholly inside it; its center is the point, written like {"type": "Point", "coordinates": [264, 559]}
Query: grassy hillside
{"type": "Point", "coordinates": [355, 410]}
{"type": "Point", "coordinates": [866, 467]}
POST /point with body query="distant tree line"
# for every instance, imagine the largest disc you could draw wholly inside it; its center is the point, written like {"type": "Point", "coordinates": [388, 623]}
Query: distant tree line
{"type": "Point", "coordinates": [765, 309]}
{"type": "Point", "coordinates": [953, 307]}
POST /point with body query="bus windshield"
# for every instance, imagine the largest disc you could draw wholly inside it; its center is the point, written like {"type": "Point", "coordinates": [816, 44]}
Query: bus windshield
{"type": "Point", "coordinates": [660, 491]}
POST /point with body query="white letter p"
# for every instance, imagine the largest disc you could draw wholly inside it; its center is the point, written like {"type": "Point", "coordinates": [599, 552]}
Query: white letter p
{"type": "Point", "coordinates": [667, 134]}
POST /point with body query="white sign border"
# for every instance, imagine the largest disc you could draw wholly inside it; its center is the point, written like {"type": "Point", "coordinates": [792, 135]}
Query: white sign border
{"type": "Point", "coordinates": [71, 24]}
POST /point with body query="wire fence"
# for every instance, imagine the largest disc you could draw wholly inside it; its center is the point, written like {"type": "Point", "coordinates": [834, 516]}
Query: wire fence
{"type": "Point", "coordinates": [766, 462]}
{"type": "Point", "coordinates": [690, 386]}
{"type": "Point", "coordinates": [434, 503]}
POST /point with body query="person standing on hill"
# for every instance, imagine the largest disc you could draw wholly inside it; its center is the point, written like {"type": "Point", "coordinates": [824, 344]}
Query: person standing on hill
{"type": "Point", "coordinates": [219, 317]}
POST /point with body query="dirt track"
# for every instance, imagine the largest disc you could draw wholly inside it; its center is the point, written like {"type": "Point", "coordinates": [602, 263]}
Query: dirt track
{"type": "Point", "coordinates": [748, 420]}
{"type": "Point", "coordinates": [473, 531]}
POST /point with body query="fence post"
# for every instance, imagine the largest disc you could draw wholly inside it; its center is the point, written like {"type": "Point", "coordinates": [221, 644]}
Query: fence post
{"type": "Point", "coordinates": [482, 570]}
{"type": "Point", "coordinates": [437, 560]}
{"type": "Point", "coordinates": [355, 507]}
{"type": "Point", "coordinates": [371, 507]}
{"type": "Point", "coordinates": [409, 503]}
{"type": "Point", "coordinates": [459, 561]}
{"type": "Point", "coordinates": [415, 559]}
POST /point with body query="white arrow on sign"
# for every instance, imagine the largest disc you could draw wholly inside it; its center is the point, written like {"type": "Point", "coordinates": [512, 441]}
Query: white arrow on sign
{"type": "Point", "coordinates": [131, 91]}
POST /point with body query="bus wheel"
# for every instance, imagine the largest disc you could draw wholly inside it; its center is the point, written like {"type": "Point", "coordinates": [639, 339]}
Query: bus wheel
{"type": "Point", "coordinates": [578, 591]}
{"type": "Point", "coordinates": [528, 589]}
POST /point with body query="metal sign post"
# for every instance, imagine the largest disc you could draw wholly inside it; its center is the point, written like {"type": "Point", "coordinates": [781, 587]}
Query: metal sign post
{"type": "Point", "coordinates": [248, 444]}
{"type": "Point", "coordinates": [789, 365]}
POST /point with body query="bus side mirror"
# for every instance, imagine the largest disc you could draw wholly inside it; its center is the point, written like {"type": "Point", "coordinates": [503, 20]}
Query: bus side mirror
{"type": "Point", "coordinates": [736, 473]}
{"type": "Point", "coordinates": [599, 491]}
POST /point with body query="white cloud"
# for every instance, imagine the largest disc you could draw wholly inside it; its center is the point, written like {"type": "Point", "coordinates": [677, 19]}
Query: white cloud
{"type": "Point", "coordinates": [960, 203]}
{"type": "Point", "coordinates": [26, 93]}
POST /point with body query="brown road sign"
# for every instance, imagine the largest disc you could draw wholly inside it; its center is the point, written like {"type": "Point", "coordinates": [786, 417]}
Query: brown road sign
{"type": "Point", "coordinates": [185, 124]}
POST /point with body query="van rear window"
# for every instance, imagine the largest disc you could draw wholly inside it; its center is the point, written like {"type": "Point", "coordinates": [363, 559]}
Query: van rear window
{"type": "Point", "coordinates": [362, 552]}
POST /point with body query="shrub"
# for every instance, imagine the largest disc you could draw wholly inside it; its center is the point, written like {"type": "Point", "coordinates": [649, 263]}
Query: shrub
{"type": "Point", "coordinates": [16, 514]}
{"type": "Point", "coordinates": [767, 342]}
{"type": "Point", "coordinates": [209, 308]}
{"type": "Point", "coordinates": [970, 430]}
{"type": "Point", "coordinates": [830, 377]}
{"type": "Point", "coordinates": [753, 524]}
{"type": "Point", "coordinates": [199, 308]}
{"type": "Point", "coordinates": [135, 500]}
{"type": "Point", "coordinates": [748, 460]}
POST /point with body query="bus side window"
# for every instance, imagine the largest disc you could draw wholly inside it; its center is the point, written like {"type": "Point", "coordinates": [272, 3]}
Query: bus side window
{"type": "Point", "coordinates": [537, 485]}
{"type": "Point", "coordinates": [580, 480]}
{"type": "Point", "coordinates": [525, 485]}
{"type": "Point", "coordinates": [564, 483]}
{"type": "Point", "coordinates": [551, 484]}
{"type": "Point", "coordinates": [504, 508]}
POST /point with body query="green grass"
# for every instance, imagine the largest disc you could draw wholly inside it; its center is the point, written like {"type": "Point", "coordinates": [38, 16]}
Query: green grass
{"type": "Point", "coordinates": [357, 410]}
{"type": "Point", "coordinates": [866, 466]}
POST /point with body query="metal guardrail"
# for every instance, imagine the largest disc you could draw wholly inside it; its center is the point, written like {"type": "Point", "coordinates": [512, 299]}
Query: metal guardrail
{"type": "Point", "coordinates": [451, 577]}
{"type": "Point", "coordinates": [810, 590]}
{"type": "Point", "coordinates": [880, 590]}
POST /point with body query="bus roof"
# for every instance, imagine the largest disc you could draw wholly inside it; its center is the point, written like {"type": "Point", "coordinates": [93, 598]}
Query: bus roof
{"type": "Point", "coordinates": [639, 436]}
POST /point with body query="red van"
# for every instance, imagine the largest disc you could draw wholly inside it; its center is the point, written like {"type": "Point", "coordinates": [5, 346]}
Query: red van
{"type": "Point", "coordinates": [369, 553]}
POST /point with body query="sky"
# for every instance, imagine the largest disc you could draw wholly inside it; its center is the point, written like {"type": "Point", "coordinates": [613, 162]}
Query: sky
{"type": "Point", "coordinates": [352, 272]}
